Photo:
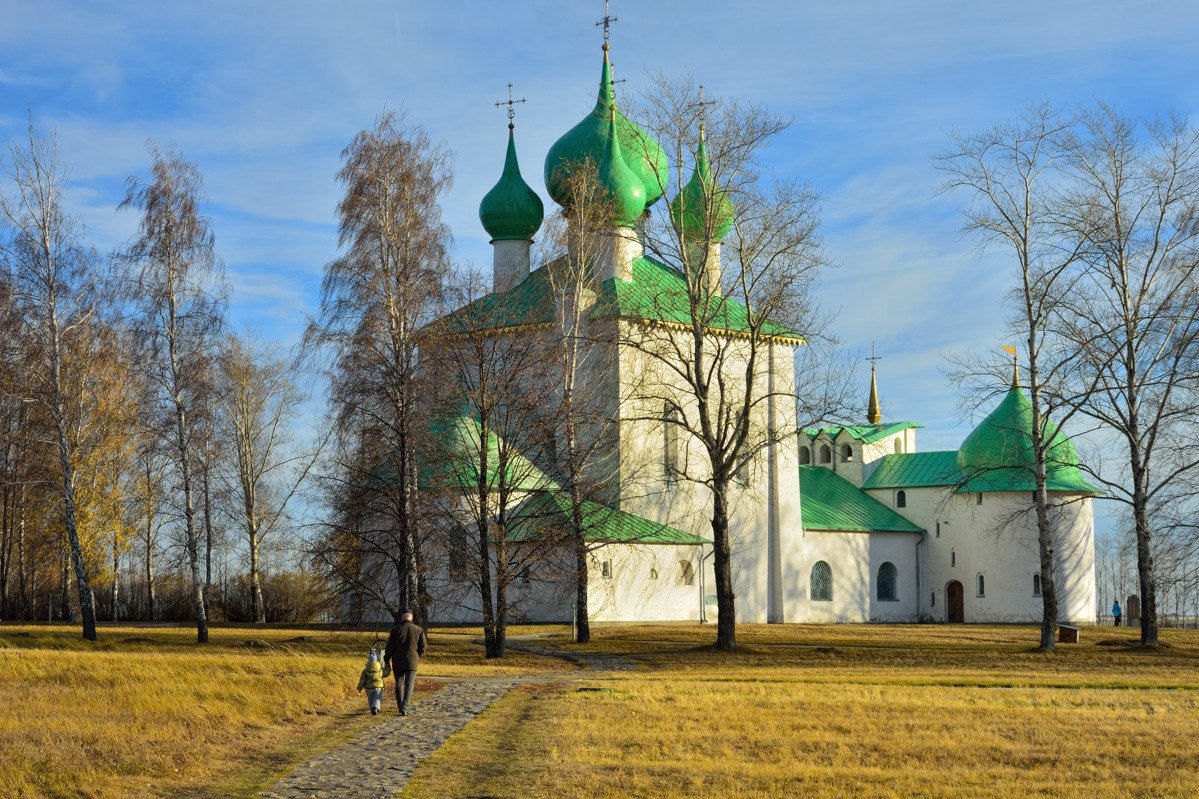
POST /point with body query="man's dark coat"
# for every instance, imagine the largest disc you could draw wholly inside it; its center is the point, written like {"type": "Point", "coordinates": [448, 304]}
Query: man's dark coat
{"type": "Point", "coordinates": [405, 645]}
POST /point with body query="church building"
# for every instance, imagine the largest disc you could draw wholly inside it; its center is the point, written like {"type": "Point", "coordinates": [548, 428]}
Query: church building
{"type": "Point", "coordinates": [838, 524]}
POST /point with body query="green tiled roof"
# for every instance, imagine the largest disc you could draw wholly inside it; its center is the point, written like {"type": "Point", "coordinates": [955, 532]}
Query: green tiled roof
{"type": "Point", "coordinates": [657, 293]}
{"type": "Point", "coordinates": [998, 454]}
{"type": "Point", "coordinates": [915, 469]}
{"type": "Point", "coordinates": [830, 502]}
{"type": "Point", "coordinates": [866, 433]}
{"type": "Point", "coordinates": [603, 524]}
{"type": "Point", "coordinates": [461, 438]}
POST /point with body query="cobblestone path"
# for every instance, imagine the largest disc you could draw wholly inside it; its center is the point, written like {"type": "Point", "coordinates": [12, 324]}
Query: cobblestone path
{"type": "Point", "coordinates": [381, 760]}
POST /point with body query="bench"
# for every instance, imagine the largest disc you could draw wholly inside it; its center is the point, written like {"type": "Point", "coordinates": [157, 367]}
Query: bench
{"type": "Point", "coordinates": [1067, 634]}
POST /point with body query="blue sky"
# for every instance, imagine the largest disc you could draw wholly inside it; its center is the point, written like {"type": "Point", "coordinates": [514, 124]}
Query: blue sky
{"type": "Point", "coordinates": [264, 95]}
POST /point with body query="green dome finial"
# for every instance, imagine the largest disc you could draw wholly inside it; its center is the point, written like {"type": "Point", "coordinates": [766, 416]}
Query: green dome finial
{"type": "Point", "coordinates": [998, 454]}
{"type": "Point", "coordinates": [587, 140]}
{"type": "Point", "coordinates": [689, 211]}
{"type": "Point", "coordinates": [625, 190]}
{"type": "Point", "coordinates": [511, 211]}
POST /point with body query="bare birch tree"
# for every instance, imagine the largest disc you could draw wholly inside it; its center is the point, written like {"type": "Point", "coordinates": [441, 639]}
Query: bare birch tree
{"type": "Point", "coordinates": [259, 403]}
{"type": "Point", "coordinates": [1009, 173]}
{"type": "Point", "coordinates": [53, 273]}
{"type": "Point", "coordinates": [1133, 209]}
{"type": "Point", "coordinates": [717, 368]}
{"type": "Point", "coordinates": [179, 289]}
{"type": "Point", "coordinates": [374, 299]}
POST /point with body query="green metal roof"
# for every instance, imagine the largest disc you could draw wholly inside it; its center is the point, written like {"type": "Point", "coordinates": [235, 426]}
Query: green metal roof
{"type": "Point", "coordinates": [511, 210]}
{"type": "Point", "coordinates": [586, 141]}
{"type": "Point", "coordinates": [830, 502]}
{"type": "Point", "coordinates": [998, 454]}
{"type": "Point", "coordinates": [866, 433]}
{"type": "Point", "coordinates": [690, 208]}
{"type": "Point", "coordinates": [657, 293]}
{"type": "Point", "coordinates": [461, 438]}
{"type": "Point", "coordinates": [626, 192]}
{"type": "Point", "coordinates": [602, 524]}
{"type": "Point", "coordinates": [915, 470]}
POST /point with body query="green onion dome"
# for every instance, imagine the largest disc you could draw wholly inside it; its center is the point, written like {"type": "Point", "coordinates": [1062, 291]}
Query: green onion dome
{"type": "Point", "coordinates": [511, 210]}
{"type": "Point", "coordinates": [689, 211]}
{"type": "Point", "coordinates": [586, 140]}
{"type": "Point", "coordinates": [625, 190]}
{"type": "Point", "coordinates": [998, 454]}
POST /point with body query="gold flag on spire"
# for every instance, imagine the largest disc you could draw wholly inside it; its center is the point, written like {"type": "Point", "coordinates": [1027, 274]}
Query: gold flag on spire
{"type": "Point", "coordinates": [1009, 349]}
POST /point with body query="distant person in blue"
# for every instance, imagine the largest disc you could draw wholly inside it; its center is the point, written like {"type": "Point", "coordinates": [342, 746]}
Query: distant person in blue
{"type": "Point", "coordinates": [1116, 612]}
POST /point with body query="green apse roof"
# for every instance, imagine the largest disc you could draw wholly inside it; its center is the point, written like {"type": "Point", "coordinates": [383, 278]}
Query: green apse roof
{"type": "Point", "coordinates": [689, 210]}
{"type": "Point", "coordinates": [998, 454]}
{"type": "Point", "coordinates": [830, 502]}
{"type": "Point", "coordinates": [587, 140]}
{"type": "Point", "coordinates": [915, 470]}
{"type": "Point", "coordinates": [602, 524]}
{"type": "Point", "coordinates": [657, 293]}
{"type": "Point", "coordinates": [511, 210]}
{"type": "Point", "coordinates": [625, 190]}
{"type": "Point", "coordinates": [865, 433]}
{"type": "Point", "coordinates": [461, 437]}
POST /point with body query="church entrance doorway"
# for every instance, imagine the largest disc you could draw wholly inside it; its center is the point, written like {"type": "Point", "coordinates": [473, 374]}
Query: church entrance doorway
{"type": "Point", "coordinates": [954, 602]}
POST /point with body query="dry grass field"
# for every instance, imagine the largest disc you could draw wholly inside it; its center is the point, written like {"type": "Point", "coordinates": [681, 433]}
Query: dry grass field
{"type": "Point", "coordinates": [845, 711]}
{"type": "Point", "coordinates": [146, 712]}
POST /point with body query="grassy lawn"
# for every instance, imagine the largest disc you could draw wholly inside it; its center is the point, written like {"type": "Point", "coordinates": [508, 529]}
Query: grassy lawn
{"type": "Point", "coordinates": [146, 712]}
{"type": "Point", "coordinates": [843, 711]}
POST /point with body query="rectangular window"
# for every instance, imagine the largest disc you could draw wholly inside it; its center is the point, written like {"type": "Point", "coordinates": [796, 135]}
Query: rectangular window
{"type": "Point", "coordinates": [1036, 585]}
{"type": "Point", "coordinates": [978, 498]}
{"type": "Point", "coordinates": [606, 569]}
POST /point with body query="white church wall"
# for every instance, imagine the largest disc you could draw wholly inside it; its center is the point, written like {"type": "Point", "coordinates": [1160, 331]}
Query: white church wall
{"type": "Point", "coordinates": [997, 539]}
{"type": "Point", "coordinates": [645, 582]}
{"type": "Point", "coordinates": [648, 491]}
{"type": "Point", "coordinates": [855, 559]}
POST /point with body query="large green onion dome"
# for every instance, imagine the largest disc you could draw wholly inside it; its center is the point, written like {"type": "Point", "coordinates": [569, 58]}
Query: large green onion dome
{"type": "Point", "coordinates": [511, 210]}
{"type": "Point", "coordinates": [998, 454]}
{"type": "Point", "coordinates": [586, 140]}
{"type": "Point", "coordinates": [625, 190]}
{"type": "Point", "coordinates": [689, 210]}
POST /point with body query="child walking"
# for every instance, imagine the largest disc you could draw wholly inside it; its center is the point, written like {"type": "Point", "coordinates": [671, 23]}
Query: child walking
{"type": "Point", "coordinates": [372, 681]}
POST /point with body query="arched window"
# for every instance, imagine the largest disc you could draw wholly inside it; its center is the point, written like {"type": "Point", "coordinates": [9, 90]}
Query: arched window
{"type": "Point", "coordinates": [686, 573]}
{"type": "Point", "coordinates": [670, 443]}
{"type": "Point", "coordinates": [938, 529]}
{"type": "Point", "coordinates": [982, 585]}
{"type": "Point", "coordinates": [887, 591]}
{"type": "Point", "coordinates": [1036, 585]}
{"type": "Point", "coordinates": [826, 454]}
{"type": "Point", "coordinates": [805, 455]}
{"type": "Point", "coordinates": [822, 582]}
{"type": "Point", "coordinates": [606, 569]}
{"type": "Point", "coordinates": [846, 453]}
{"type": "Point", "coordinates": [978, 498]}
{"type": "Point", "coordinates": [653, 574]}
{"type": "Point", "coordinates": [901, 499]}
{"type": "Point", "coordinates": [899, 446]}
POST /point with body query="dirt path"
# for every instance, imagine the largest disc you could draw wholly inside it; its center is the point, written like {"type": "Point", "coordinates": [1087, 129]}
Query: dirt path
{"type": "Point", "coordinates": [381, 760]}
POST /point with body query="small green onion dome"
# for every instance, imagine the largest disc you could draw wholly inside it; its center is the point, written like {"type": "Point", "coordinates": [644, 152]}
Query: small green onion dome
{"type": "Point", "coordinates": [625, 190]}
{"type": "Point", "coordinates": [998, 454]}
{"type": "Point", "coordinates": [689, 211]}
{"type": "Point", "coordinates": [511, 210]}
{"type": "Point", "coordinates": [586, 140]}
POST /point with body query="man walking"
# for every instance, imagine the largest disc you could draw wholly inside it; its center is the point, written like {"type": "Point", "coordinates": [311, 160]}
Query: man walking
{"type": "Point", "coordinates": [405, 645]}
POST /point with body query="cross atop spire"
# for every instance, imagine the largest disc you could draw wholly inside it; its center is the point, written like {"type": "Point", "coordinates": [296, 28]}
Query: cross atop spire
{"type": "Point", "coordinates": [874, 413]}
{"type": "Point", "coordinates": [702, 105]}
{"type": "Point", "coordinates": [511, 106]}
{"type": "Point", "coordinates": [606, 22]}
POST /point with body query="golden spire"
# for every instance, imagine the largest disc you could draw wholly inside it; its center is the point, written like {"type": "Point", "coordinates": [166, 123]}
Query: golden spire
{"type": "Point", "coordinates": [1015, 364]}
{"type": "Point", "coordinates": [874, 414]}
